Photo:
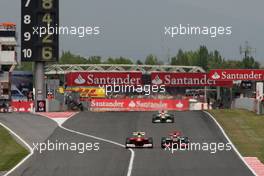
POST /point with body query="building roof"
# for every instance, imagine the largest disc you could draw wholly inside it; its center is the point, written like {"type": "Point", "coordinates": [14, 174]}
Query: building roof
{"type": "Point", "coordinates": [8, 40]}
{"type": "Point", "coordinates": [8, 26]}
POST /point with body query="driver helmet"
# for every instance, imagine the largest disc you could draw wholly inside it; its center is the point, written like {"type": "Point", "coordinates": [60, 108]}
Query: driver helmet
{"type": "Point", "coordinates": [139, 134]}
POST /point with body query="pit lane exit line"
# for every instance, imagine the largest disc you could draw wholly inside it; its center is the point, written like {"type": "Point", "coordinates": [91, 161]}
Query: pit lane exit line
{"type": "Point", "coordinates": [60, 123]}
{"type": "Point", "coordinates": [132, 157]}
{"type": "Point", "coordinates": [131, 161]}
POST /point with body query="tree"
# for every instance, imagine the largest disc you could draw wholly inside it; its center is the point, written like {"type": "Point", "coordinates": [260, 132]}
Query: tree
{"type": "Point", "coordinates": [250, 63]}
{"type": "Point", "coordinates": [200, 57]}
{"type": "Point", "coordinates": [139, 62]}
{"type": "Point", "coordinates": [69, 58]}
{"type": "Point", "coordinates": [192, 57]}
{"type": "Point", "coordinates": [110, 60]}
{"type": "Point", "coordinates": [215, 60]}
{"type": "Point", "coordinates": [25, 66]}
{"type": "Point", "coordinates": [151, 60]}
{"type": "Point", "coordinates": [232, 64]}
{"type": "Point", "coordinates": [203, 57]}
{"type": "Point", "coordinates": [181, 58]}
{"type": "Point", "coordinates": [120, 60]}
{"type": "Point", "coordinates": [94, 60]}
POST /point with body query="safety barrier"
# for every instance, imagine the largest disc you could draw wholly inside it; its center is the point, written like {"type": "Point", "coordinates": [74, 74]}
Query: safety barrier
{"type": "Point", "coordinates": [138, 105]}
{"type": "Point", "coordinates": [22, 106]}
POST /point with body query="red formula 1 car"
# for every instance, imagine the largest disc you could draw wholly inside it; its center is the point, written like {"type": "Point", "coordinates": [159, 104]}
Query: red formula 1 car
{"type": "Point", "coordinates": [175, 140]}
{"type": "Point", "coordinates": [139, 141]}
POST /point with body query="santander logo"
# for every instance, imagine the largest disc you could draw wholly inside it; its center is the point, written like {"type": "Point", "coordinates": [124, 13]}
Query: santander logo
{"type": "Point", "coordinates": [216, 76]}
{"type": "Point", "coordinates": [79, 80]}
{"type": "Point", "coordinates": [132, 104]}
{"type": "Point", "coordinates": [179, 105]}
{"type": "Point", "coordinates": [157, 80]}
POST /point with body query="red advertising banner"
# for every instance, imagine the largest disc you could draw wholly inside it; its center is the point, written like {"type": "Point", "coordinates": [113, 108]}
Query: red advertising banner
{"type": "Point", "coordinates": [236, 74]}
{"type": "Point", "coordinates": [138, 105]}
{"type": "Point", "coordinates": [103, 78]}
{"type": "Point", "coordinates": [186, 80]}
{"type": "Point", "coordinates": [23, 106]}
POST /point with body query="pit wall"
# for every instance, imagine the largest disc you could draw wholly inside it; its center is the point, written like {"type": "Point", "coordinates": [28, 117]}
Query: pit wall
{"type": "Point", "coordinates": [102, 105]}
{"type": "Point", "coordinates": [144, 105]}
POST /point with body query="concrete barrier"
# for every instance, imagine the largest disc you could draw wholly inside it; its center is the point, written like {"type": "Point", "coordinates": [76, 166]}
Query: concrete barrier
{"type": "Point", "coordinates": [250, 104]}
{"type": "Point", "coordinates": [53, 105]}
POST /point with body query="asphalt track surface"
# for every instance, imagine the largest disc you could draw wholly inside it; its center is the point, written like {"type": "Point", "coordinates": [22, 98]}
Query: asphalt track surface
{"type": "Point", "coordinates": [31, 128]}
{"type": "Point", "coordinates": [113, 160]}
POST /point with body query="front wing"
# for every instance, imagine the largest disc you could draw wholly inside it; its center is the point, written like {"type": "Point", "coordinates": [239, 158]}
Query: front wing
{"type": "Point", "coordinates": [160, 120]}
{"type": "Point", "coordinates": [139, 146]}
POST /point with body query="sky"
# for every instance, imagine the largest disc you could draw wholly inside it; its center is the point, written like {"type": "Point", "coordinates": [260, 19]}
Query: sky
{"type": "Point", "coordinates": [135, 28]}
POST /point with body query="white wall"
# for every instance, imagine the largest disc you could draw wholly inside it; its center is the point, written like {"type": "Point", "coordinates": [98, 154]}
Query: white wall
{"type": "Point", "coordinates": [247, 103]}
{"type": "Point", "coordinates": [7, 57]}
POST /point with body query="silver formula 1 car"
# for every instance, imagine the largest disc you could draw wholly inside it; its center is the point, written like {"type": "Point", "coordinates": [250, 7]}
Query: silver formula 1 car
{"type": "Point", "coordinates": [163, 117]}
{"type": "Point", "coordinates": [175, 140]}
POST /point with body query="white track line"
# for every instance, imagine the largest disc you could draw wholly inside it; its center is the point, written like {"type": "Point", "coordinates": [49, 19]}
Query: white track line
{"type": "Point", "coordinates": [228, 139]}
{"type": "Point", "coordinates": [131, 161]}
{"type": "Point", "coordinates": [132, 157]}
{"type": "Point", "coordinates": [25, 143]}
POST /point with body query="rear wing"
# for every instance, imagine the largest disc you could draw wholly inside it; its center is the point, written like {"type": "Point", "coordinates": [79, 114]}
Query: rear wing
{"type": "Point", "coordinates": [165, 111]}
{"type": "Point", "coordinates": [139, 133]}
{"type": "Point", "coordinates": [175, 133]}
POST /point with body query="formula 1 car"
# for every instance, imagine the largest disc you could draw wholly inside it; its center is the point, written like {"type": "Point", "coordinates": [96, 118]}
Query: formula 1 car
{"type": "Point", "coordinates": [175, 140]}
{"type": "Point", "coordinates": [163, 117]}
{"type": "Point", "coordinates": [139, 141]}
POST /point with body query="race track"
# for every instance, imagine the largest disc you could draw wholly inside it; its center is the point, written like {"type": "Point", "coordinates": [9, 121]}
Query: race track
{"type": "Point", "coordinates": [113, 160]}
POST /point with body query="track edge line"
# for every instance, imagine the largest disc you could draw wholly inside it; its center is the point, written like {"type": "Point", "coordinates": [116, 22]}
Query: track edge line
{"type": "Point", "coordinates": [131, 161]}
{"type": "Point", "coordinates": [25, 143]}
{"type": "Point", "coordinates": [229, 140]}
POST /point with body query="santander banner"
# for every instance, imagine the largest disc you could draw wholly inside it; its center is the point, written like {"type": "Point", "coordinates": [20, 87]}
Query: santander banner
{"type": "Point", "coordinates": [103, 78]}
{"type": "Point", "coordinates": [236, 74]}
{"type": "Point", "coordinates": [138, 105]}
{"type": "Point", "coordinates": [186, 80]}
{"type": "Point", "coordinates": [22, 106]}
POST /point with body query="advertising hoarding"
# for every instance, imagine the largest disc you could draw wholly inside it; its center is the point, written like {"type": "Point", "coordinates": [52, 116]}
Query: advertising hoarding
{"type": "Point", "coordinates": [103, 78]}
{"type": "Point", "coordinates": [186, 80]}
{"type": "Point", "coordinates": [138, 105]}
{"type": "Point", "coordinates": [236, 74]}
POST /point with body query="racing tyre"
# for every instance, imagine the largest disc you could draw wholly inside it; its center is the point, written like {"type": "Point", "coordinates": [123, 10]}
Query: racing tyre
{"type": "Point", "coordinates": [163, 141]}
{"type": "Point", "coordinates": [127, 142]}
{"type": "Point", "coordinates": [151, 142]}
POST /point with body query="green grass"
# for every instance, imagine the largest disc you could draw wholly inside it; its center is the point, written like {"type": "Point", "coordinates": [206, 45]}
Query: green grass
{"type": "Point", "coordinates": [10, 151]}
{"type": "Point", "coordinates": [245, 129]}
